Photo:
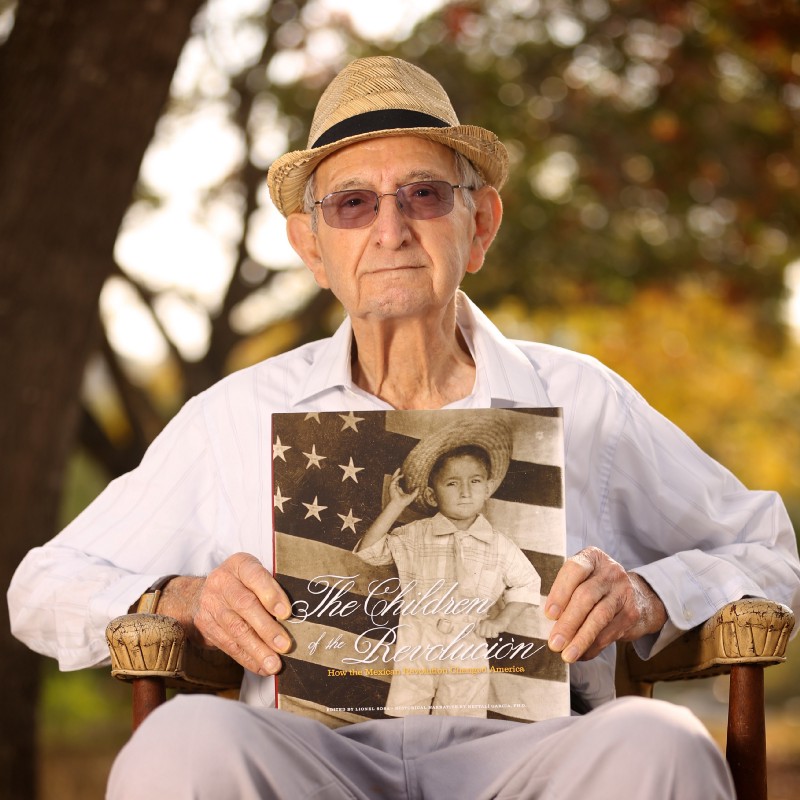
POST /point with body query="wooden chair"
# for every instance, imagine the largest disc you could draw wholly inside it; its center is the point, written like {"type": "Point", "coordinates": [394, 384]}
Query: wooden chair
{"type": "Point", "coordinates": [152, 652]}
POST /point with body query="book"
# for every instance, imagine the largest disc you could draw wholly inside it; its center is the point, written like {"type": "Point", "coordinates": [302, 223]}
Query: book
{"type": "Point", "coordinates": [433, 603]}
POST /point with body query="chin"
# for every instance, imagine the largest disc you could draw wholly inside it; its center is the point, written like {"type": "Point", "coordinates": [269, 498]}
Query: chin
{"type": "Point", "coordinates": [403, 302]}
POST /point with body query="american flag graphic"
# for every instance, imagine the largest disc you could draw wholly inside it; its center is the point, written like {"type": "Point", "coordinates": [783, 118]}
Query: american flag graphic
{"type": "Point", "coordinates": [330, 477]}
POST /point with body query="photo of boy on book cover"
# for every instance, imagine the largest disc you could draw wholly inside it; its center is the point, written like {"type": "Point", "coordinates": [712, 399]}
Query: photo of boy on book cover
{"type": "Point", "coordinates": [454, 550]}
{"type": "Point", "coordinates": [459, 516]}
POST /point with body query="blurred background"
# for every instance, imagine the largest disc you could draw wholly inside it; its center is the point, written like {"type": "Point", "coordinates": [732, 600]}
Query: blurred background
{"type": "Point", "coordinates": [651, 221]}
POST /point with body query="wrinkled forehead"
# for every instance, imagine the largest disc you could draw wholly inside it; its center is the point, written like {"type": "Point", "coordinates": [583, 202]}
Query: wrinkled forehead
{"type": "Point", "coordinates": [385, 161]}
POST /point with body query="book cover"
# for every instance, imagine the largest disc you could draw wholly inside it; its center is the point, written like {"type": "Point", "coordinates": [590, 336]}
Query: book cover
{"type": "Point", "coordinates": [417, 548]}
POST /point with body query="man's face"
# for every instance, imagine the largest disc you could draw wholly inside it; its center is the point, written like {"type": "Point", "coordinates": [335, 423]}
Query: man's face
{"type": "Point", "coordinates": [460, 488]}
{"type": "Point", "coordinates": [394, 267]}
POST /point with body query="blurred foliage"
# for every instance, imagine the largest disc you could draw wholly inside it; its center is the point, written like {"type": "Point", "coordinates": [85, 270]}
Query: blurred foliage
{"type": "Point", "coordinates": [781, 685]}
{"type": "Point", "coordinates": [81, 707]}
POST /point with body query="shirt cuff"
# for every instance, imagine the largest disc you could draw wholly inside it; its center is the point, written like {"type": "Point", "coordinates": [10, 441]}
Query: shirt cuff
{"type": "Point", "coordinates": [691, 595]}
{"type": "Point", "coordinates": [685, 609]}
{"type": "Point", "coordinates": [521, 594]}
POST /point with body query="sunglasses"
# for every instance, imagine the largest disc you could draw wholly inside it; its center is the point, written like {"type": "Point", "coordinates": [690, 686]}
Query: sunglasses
{"type": "Point", "coordinates": [357, 208]}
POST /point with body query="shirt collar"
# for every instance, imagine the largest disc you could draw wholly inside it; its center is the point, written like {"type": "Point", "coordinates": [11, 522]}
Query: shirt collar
{"type": "Point", "coordinates": [504, 376]}
{"type": "Point", "coordinates": [480, 528]}
{"type": "Point", "coordinates": [330, 367]}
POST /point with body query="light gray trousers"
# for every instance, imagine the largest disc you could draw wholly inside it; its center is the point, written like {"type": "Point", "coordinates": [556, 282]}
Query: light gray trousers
{"type": "Point", "coordinates": [207, 747]}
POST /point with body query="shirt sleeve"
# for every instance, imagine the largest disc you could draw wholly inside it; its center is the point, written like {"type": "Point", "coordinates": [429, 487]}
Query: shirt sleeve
{"type": "Point", "coordinates": [698, 536]}
{"type": "Point", "coordinates": [380, 553]}
{"type": "Point", "coordinates": [156, 520]}
{"type": "Point", "coordinates": [377, 554]}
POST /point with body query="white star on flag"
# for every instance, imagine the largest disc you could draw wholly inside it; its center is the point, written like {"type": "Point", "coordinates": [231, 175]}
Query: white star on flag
{"type": "Point", "coordinates": [313, 458]}
{"type": "Point", "coordinates": [278, 499]}
{"type": "Point", "coordinates": [349, 521]}
{"type": "Point", "coordinates": [312, 415]}
{"type": "Point", "coordinates": [279, 449]}
{"type": "Point", "coordinates": [350, 421]}
{"type": "Point", "coordinates": [314, 509]}
{"type": "Point", "coordinates": [350, 471]}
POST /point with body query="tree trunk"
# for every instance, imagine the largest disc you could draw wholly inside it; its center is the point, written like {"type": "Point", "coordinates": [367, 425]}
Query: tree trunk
{"type": "Point", "coordinates": [81, 88]}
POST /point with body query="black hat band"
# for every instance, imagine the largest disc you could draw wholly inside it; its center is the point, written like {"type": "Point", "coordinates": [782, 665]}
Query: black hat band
{"type": "Point", "coordinates": [382, 120]}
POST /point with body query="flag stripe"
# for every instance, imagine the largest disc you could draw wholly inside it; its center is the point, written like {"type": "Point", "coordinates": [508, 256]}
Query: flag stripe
{"type": "Point", "coordinates": [535, 484]}
{"type": "Point", "coordinates": [313, 682]}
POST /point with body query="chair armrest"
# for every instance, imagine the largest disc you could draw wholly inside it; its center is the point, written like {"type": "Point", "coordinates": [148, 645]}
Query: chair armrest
{"type": "Point", "coordinates": [155, 646]}
{"type": "Point", "coordinates": [748, 631]}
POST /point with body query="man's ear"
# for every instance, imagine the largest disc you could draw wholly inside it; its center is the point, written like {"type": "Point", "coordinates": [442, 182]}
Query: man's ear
{"type": "Point", "coordinates": [430, 497]}
{"type": "Point", "coordinates": [305, 243]}
{"type": "Point", "coordinates": [488, 216]}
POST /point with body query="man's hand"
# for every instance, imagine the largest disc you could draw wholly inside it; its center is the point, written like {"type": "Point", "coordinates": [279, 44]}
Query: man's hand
{"type": "Point", "coordinates": [596, 602]}
{"type": "Point", "coordinates": [234, 608]}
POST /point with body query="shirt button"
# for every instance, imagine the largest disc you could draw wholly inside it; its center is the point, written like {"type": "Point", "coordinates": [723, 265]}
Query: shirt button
{"type": "Point", "coordinates": [687, 614]}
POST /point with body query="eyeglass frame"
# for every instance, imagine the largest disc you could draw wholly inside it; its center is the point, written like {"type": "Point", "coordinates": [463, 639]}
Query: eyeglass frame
{"type": "Point", "coordinates": [395, 193]}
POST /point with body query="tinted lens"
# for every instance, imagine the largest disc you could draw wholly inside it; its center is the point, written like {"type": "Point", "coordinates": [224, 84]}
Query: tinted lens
{"type": "Point", "coordinates": [352, 209]}
{"type": "Point", "coordinates": [356, 208]}
{"type": "Point", "coordinates": [426, 199]}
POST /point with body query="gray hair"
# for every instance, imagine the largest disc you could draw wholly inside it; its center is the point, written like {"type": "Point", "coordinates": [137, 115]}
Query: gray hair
{"type": "Point", "coordinates": [466, 174]}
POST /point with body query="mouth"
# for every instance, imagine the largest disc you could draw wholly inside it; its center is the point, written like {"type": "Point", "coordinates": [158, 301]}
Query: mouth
{"type": "Point", "coordinates": [395, 268]}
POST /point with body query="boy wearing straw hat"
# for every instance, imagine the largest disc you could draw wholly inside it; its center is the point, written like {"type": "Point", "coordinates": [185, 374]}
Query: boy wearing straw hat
{"type": "Point", "coordinates": [455, 553]}
{"type": "Point", "coordinates": [390, 205]}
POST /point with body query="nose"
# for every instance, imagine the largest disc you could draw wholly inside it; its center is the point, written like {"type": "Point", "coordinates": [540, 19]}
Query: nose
{"type": "Point", "coordinates": [391, 225]}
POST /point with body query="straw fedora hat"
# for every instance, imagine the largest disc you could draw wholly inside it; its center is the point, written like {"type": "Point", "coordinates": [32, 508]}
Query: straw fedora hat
{"type": "Point", "coordinates": [382, 96]}
{"type": "Point", "coordinates": [487, 431]}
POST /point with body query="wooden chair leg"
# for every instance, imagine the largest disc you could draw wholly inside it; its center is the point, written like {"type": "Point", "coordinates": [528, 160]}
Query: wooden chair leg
{"type": "Point", "coordinates": [148, 694]}
{"type": "Point", "coordinates": [746, 747]}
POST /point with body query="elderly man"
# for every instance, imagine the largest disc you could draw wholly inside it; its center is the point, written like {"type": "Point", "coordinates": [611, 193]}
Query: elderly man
{"type": "Point", "coordinates": [393, 202]}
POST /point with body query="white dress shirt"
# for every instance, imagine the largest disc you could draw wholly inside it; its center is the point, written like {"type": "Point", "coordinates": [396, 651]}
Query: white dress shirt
{"type": "Point", "coordinates": [636, 487]}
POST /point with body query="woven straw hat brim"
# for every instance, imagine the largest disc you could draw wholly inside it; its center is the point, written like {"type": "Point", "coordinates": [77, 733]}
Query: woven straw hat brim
{"type": "Point", "coordinates": [488, 432]}
{"type": "Point", "coordinates": [288, 176]}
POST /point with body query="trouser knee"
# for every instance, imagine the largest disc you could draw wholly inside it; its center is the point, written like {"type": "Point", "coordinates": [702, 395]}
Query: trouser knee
{"type": "Point", "coordinates": [649, 724]}
{"type": "Point", "coordinates": [666, 744]}
{"type": "Point", "coordinates": [181, 744]}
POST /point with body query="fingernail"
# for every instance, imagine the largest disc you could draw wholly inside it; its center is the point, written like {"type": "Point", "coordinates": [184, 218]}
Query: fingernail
{"type": "Point", "coordinates": [570, 655]}
{"type": "Point", "coordinates": [553, 611]}
{"type": "Point", "coordinates": [557, 642]}
{"type": "Point", "coordinates": [281, 642]}
{"type": "Point", "coordinates": [271, 665]}
{"type": "Point", "coordinates": [281, 611]}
